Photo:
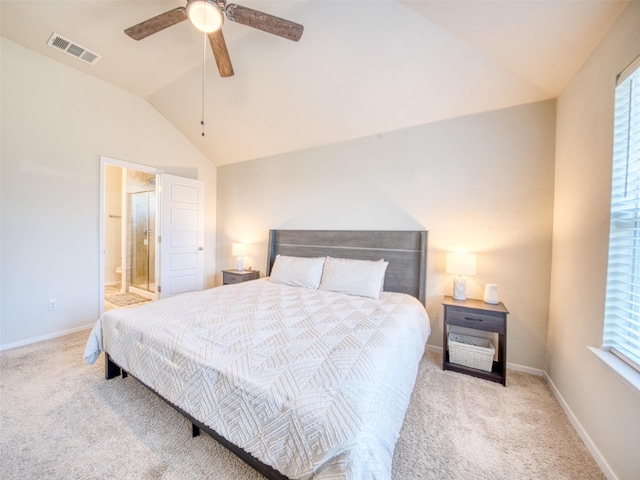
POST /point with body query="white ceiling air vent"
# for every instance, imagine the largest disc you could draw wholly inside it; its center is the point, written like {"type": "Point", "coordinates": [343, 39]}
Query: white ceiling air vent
{"type": "Point", "coordinates": [61, 43]}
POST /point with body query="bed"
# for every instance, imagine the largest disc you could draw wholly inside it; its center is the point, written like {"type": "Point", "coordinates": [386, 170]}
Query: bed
{"type": "Point", "coordinates": [305, 374]}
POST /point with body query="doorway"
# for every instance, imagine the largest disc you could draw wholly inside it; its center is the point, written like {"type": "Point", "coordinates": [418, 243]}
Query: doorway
{"type": "Point", "coordinates": [129, 218]}
{"type": "Point", "coordinates": [140, 206]}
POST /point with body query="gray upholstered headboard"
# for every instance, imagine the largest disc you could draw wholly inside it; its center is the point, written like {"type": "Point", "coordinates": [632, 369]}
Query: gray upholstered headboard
{"type": "Point", "coordinates": [406, 252]}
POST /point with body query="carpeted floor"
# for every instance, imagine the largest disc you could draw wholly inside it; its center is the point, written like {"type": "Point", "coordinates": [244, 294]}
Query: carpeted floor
{"type": "Point", "coordinates": [61, 420]}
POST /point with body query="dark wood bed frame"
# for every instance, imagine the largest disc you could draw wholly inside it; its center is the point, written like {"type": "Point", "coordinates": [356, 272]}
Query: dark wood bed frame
{"type": "Point", "coordinates": [406, 252]}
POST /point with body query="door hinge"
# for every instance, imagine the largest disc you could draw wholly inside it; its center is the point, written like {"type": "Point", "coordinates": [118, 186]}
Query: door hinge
{"type": "Point", "coordinates": [159, 289]}
{"type": "Point", "coordinates": [159, 238]}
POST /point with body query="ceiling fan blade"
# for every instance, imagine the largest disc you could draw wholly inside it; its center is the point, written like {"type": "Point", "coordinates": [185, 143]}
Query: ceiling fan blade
{"type": "Point", "coordinates": [265, 22]}
{"type": "Point", "coordinates": [220, 53]}
{"type": "Point", "coordinates": [157, 23]}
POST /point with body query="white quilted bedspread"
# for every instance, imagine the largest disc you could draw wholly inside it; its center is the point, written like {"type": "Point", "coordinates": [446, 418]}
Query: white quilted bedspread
{"type": "Point", "coordinates": [314, 383]}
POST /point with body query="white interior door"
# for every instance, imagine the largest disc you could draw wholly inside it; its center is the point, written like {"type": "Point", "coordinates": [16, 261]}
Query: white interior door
{"type": "Point", "coordinates": [182, 235]}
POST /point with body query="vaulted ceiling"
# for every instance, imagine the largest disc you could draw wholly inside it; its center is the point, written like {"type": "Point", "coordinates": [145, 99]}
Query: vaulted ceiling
{"type": "Point", "coordinates": [362, 67]}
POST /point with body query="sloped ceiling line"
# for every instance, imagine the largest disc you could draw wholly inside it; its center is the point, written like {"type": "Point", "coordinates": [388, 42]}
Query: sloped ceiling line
{"type": "Point", "coordinates": [361, 67]}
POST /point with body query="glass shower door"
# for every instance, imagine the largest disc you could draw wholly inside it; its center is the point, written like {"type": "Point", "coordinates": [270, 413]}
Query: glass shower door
{"type": "Point", "coordinates": [143, 234]}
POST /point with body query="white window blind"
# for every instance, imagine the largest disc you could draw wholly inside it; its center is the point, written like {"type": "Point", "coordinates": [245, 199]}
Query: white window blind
{"type": "Point", "coordinates": [622, 305]}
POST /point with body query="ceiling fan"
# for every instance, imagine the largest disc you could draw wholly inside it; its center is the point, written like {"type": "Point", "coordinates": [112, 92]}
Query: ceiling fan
{"type": "Point", "coordinates": [208, 16]}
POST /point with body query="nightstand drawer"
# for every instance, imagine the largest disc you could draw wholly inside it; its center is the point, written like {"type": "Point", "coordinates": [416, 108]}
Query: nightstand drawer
{"type": "Point", "coordinates": [465, 317]}
{"type": "Point", "coordinates": [230, 277]}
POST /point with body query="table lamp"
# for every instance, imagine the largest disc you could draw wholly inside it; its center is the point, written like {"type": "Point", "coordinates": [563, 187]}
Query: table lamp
{"type": "Point", "coordinates": [239, 250]}
{"type": "Point", "coordinates": [461, 264]}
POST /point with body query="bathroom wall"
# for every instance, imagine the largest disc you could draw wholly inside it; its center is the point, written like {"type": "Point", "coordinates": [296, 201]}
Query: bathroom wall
{"type": "Point", "coordinates": [118, 247]}
{"type": "Point", "coordinates": [112, 224]}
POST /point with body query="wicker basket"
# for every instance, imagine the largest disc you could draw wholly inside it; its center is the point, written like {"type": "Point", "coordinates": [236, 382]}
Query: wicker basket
{"type": "Point", "coordinates": [471, 351]}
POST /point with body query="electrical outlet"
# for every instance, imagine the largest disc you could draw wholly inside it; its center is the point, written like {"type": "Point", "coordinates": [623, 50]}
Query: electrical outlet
{"type": "Point", "coordinates": [53, 304]}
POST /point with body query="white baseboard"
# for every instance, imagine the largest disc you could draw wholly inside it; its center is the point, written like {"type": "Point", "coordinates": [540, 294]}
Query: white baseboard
{"type": "Point", "coordinates": [521, 368]}
{"type": "Point", "coordinates": [432, 348]}
{"type": "Point", "coordinates": [49, 336]}
{"type": "Point", "coordinates": [584, 436]}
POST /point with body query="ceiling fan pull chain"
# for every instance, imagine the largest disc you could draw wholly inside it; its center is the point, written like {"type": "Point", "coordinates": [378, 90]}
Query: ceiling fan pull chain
{"type": "Point", "coordinates": [204, 57]}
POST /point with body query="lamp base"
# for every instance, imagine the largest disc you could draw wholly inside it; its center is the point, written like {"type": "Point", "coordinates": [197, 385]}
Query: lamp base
{"type": "Point", "coordinates": [239, 265]}
{"type": "Point", "coordinates": [459, 288]}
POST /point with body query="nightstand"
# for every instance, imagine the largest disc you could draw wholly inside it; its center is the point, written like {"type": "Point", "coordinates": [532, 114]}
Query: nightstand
{"type": "Point", "coordinates": [234, 276]}
{"type": "Point", "coordinates": [477, 315]}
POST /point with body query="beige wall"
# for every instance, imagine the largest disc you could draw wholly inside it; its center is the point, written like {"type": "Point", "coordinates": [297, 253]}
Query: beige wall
{"type": "Point", "coordinates": [56, 123]}
{"type": "Point", "coordinates": [604, 407]}
{"type": "Point", "coordinates": [113, 223]}
{"type": "Point", "coordinates": [483, 182]}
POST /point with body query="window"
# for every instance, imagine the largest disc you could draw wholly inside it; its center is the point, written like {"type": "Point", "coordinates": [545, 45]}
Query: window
{"type": "Point", "coordinates": [622, 305]}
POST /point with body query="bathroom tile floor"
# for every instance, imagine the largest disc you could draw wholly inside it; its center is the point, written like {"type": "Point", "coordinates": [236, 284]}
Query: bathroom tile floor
{"type": "Point", "coordinates": [114, 299]}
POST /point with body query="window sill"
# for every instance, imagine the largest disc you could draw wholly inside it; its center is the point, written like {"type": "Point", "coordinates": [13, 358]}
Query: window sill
{"type": "Point", "coordinates": [629, 374]}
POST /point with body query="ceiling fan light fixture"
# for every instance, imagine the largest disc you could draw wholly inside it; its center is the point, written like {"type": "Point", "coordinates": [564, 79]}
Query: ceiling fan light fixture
{"type": "Point", "coordinates": [205, 15]}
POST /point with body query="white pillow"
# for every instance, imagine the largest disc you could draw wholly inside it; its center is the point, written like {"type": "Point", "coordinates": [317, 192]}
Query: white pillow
{"type": "Point", "coordinates": [353, 277]}
{"type": "Point", "coordinates": [297, 271]}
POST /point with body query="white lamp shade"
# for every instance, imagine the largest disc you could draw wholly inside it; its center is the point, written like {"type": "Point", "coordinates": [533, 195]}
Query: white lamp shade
{"type": "Point", "coordinates": [239, 249]}
{"type": "Point", "coordinates": [461, 263]}
{"type": "Point", "coordinates": [204, 15]}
